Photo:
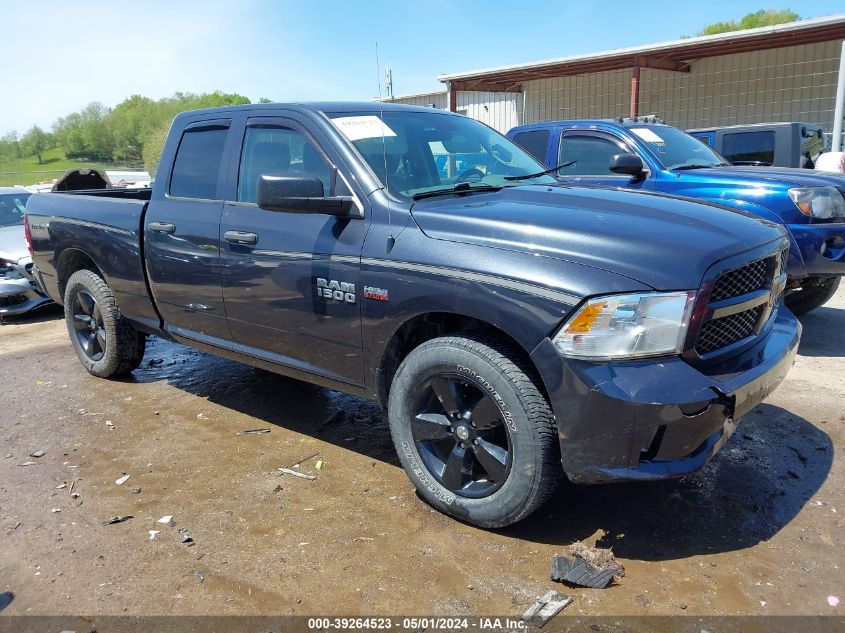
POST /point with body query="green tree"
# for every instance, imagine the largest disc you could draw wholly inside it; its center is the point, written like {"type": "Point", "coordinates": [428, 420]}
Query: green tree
{"type": "Point", "coordinates": [153, 146]}
{"type": "Point", "coordinates": [10, 146]}
{"type": "Point", "coordinates": [763, 17]}
{"type": "Point", "coordinates": [35, 142]}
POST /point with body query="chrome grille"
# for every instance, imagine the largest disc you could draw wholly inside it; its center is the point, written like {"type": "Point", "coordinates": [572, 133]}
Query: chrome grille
{"type": "Point", "coordinates": [739, 281]}
{"type": "Point", "coordinates": [720, 333]}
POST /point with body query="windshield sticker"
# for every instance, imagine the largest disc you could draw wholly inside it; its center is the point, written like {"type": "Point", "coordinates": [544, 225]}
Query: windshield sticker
{"type": "Point", "coordinates": [356, 128]}
{"type": "Point", "coordinates": [647, 135]}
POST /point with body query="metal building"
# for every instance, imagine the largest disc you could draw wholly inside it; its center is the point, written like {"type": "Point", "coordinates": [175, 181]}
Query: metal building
{"type": "Point", "coordinates": [787, 72]}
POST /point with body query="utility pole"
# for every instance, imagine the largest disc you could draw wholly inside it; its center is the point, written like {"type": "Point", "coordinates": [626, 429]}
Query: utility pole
{"type": "Point", "coordinates": [388, 83]}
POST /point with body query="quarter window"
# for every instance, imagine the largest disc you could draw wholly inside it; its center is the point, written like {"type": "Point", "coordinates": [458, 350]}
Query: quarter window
{"type": "Point", "coordinates": [278, 150]}
{"type": "Point", "coordinates": [749, 147]}
{"type": "Point", "coordinates": [534, 142]}
{"type": "Point", "coordinates": [197, 166]}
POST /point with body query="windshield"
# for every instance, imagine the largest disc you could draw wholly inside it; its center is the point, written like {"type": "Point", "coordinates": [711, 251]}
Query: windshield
{"type": "Point", "coordinates": [676, 149]}
{"type": "Point", "coordinates": [417, 152]}
{"type": "Point", "coordinates": [12, 208]}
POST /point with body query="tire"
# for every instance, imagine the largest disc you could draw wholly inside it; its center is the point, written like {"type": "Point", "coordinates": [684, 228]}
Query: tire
{"type": "Point", "coordinates": [816, 292]}
{"type": "Point", "coordinates": [105, 342]}
{"type": "Point", "coordinates": [510, 461]}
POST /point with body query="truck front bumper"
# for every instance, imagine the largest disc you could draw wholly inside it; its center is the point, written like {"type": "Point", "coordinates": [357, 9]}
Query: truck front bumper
{"type": "Point", "coordinates": [657, 418]}
{"type": "Point", "coordinates": [821, 248]}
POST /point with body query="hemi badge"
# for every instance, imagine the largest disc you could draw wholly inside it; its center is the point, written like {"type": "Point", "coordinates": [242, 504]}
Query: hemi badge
{"type": "Point", "coordinates": [379, 294]}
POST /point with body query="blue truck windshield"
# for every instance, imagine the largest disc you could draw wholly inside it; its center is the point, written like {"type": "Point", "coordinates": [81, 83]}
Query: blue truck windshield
{"type": "Point", "coordinates": [417, 152]}
{"type": "Point", "coordinates": [675, 149]}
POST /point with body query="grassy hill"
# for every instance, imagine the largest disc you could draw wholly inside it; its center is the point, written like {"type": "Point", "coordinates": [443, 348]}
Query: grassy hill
{"type": "Point", "coordinates": [28, 171]}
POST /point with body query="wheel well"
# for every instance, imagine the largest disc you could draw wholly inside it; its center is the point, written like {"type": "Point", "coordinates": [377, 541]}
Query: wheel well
{"type": "Point", "coordinates": [70, 261]}
{"type": "Point", "coordinates": [425, 327]}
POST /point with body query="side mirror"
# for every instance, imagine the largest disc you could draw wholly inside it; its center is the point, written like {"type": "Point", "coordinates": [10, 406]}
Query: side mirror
{"type": "Point", "coordinates": [629, 164]}
{"type": "Point", "coordinates": [301, 194]}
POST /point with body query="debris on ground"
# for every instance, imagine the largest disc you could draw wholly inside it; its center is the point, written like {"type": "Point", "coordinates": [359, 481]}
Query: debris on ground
{"type": "Point", "coordinates": [199, 576]}
{"type": "Point", "coordinates": [296, 473]}
{"type": "Point", "coordinates": [109, 424]}
{"type": "Point", "coordinates": [122, 479]}
{"type": "Point", "coordinates": [319, 464]}
{"type": "Point", "coordinates": [28, 464]}
{"type": "Point", "coordinates": [153, 534]}
{"type": "Point", "coordinates": [118, 519]}
{"type": "Point", "coordinates": [833, 601]}
{"type": "Point", "coordinates": [187, 539]}
{"type": "Point", "coordinates": [253, 432]}
{"type": "Point", "coordinates": [167, 520]}
{"type": "Point", "coordinates": [38, 453]}
{"type": "Point", "coordinates": [586, 567]}
{"type": "Point", "coordinates": [136, 490]}
{"type": "Point", "coordinates": [545, 608]}
{"type": "Point", "coordinates": [61, 486]}
{"type": "Point", "coordinates": [335, 416]}
{"type": "Point", "coordinates": [72, 484]}
{"type": "Point", "coordinates": [54, 510]}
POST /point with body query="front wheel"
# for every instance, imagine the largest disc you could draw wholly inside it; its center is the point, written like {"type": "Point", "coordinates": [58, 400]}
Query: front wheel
{"type": "Point", "coordinates": [105, 342]}
{"type": "Point", "coordinates": [815, 292]}
{"type": "Point", "coordinates": [473, 431]}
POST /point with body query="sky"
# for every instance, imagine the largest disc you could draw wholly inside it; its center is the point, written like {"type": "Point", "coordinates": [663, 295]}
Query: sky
{"type": "Point", "coordinates": [59, 56]}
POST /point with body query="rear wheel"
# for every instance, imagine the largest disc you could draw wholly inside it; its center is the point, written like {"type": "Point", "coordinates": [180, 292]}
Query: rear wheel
{"type": "Point", "coordinates": [815, 292]}
{"type": "Point", "coordinates": [473, 431]}
{"type": "Point", "coordinates": [105, 342]}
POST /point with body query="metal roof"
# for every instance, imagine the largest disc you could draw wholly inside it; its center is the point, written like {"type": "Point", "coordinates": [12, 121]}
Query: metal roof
{"type": "Point", "coordinates": [674, 55]}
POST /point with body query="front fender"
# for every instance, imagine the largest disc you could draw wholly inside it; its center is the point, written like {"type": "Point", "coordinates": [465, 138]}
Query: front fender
{"type": "Point", "coordinates": [795, 264]}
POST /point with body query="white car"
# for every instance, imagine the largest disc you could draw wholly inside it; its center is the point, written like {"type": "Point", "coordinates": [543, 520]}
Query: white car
{"type": "Point", "coordinates": [19, 291]}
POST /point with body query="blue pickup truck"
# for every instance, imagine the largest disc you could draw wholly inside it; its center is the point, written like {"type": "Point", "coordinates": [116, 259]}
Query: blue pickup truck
{"type": "Point", "coordinates": [644, 154]}
{"type": "Point", "coordinates": [514, 328]}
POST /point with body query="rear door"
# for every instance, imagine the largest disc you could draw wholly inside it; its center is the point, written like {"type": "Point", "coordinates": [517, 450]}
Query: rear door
{"type": "Point", "coordinates": [182, 235]}
{"type": "Point", "coordinates": [590, 153]}
{"type": "Point", "coordinates": [277, 266]}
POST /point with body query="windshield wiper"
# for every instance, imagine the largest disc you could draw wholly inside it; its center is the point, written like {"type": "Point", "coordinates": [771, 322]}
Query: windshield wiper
{"type": "Point", "coordinates": [460, 188]}
{"type": "Point", "coordinates": [542, 173]}
{"type": "Point", "coordinates": [683, 167]}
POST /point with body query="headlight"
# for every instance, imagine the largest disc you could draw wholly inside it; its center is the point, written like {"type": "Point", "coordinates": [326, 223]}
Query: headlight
{"type": "Point", "coordinates": [627, 326]}
{"type": "Point", "coordinates": [819, 202]}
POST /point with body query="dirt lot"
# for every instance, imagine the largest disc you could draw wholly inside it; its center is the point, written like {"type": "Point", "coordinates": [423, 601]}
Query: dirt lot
{"type": "Point", "coordinates": [760, 531]}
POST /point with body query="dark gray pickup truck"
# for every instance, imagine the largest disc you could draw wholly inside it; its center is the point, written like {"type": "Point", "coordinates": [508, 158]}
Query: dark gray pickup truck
{"type": "Point", "coordinates": [515, 328]}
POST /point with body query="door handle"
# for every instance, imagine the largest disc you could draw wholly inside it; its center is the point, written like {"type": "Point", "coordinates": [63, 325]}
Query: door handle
{"type": "Point", "coordinates": [161, 227]}
{"type": "Point", "coordinates": [240, 237]}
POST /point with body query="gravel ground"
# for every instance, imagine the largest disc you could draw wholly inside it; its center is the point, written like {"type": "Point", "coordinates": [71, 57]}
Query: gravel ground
{"type": "Point", "coordinates": [759, 531]}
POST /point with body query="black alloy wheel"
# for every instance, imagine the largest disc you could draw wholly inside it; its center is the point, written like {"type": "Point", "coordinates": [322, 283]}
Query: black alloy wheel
{"type": "Point", "coordinates": [88, 325]}
{"type": "Point", "coordinates": [461, 436]}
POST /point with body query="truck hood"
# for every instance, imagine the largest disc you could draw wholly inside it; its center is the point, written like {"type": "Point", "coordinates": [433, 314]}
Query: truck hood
{"type": "Point", "coordinates": [658, 240]}
{"type": "Point", "coordinates": [763, 177]}
{"type": "Point", "coordinates": [13, 243]}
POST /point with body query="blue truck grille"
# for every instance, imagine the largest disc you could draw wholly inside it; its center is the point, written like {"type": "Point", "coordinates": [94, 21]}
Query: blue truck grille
{"type": "Point", "coordinates": [760, 274]}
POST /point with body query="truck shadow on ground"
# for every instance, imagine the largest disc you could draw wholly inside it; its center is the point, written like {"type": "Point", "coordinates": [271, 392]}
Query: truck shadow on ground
{"type": "Point", "coordinates": [765, 475]}
{"type": "Point", "coordinates": [770, 468]}
{"type": "Point", "coordinates": [822, 335]}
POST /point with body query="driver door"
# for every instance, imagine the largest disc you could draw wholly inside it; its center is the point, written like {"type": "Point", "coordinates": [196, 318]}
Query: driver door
{"type": "Point", "coordinates": [591, 152]}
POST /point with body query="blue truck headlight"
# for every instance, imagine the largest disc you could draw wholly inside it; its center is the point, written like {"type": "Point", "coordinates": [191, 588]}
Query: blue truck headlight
{"type": "Point", "coordinates": [627, 326]}
{"type": "Point", "coordinates": [819, 202]}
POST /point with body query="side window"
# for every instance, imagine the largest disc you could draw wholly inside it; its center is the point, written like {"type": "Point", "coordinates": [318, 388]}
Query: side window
{"type": "Point", "coordinates": [278, 150]}
{"type": "Point", "coordinates": [534, 142]}
{"type": "Point", "coordinates": [591, 155]}
{"type": "Point", "coordinates": [749, 147]}
{"type": "Point", "coordinates": [197, 165]}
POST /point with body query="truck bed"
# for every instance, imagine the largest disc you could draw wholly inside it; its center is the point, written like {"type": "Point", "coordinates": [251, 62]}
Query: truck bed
{"type": "Point", "coordinates": [107, 226]}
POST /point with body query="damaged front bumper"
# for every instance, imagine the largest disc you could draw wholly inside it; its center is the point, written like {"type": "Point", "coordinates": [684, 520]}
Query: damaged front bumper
{"type": "Point", "coordinates": [657, 418]}
{"type": "Point", "coordinates": [19, 289]}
